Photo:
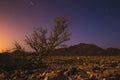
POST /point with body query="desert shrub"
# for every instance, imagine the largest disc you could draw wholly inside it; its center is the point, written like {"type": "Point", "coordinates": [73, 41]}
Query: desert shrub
{"type": "Point", "coordinates": [44, 42]}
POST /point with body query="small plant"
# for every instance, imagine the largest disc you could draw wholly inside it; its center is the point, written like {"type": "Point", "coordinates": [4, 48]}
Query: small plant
{"type": "Point", "coordinates": [18, 47]}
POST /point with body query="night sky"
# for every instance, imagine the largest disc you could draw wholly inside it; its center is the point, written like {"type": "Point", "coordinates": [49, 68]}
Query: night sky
{"type": "Point", "coordinates": [91, 21]}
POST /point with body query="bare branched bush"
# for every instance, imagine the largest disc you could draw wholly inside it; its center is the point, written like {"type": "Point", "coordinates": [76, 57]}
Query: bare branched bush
{"type": "Point", "coordinates": [18, 47]}
{"type": "Point", "coordinates": [44, 42]}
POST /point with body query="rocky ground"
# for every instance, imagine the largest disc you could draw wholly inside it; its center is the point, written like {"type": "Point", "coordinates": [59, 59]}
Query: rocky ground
{"type": "Point", "coordinates": [69, 68]}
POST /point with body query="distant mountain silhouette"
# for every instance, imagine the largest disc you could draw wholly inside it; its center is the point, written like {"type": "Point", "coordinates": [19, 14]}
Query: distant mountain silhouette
{"type": "Point", "coordinates": [83, 49]}
{"type": "Point", "coordinates": [113, 51]}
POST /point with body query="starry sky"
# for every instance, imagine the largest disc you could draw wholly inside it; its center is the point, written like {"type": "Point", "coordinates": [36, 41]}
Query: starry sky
{"type": "Point", "coordinates": [91, 21]}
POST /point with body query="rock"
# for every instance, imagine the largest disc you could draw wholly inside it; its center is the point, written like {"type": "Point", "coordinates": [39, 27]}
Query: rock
{"type": "Point", "coordinates": [2, 76]}
{"type": "Point", "coordinates": [59, 75]}
{"type": "Point", "coordinates": [71, 71]}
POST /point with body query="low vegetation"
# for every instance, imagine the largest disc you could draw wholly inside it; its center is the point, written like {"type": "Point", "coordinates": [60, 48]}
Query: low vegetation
{"type": "Point", "coordinates": [15, 67]}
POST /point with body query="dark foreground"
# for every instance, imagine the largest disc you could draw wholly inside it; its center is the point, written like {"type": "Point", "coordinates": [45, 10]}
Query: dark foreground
{"type": "Point", "coordinates": [69, 68]}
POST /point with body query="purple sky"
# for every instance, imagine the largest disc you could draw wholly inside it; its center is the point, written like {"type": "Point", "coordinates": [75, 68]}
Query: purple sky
{"type": "Point", "coordinates": [91, 21]}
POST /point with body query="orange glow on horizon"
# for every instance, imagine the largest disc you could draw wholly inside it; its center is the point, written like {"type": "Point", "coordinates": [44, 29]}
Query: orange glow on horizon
{"type": "Point", "coordinates": [12, 30]}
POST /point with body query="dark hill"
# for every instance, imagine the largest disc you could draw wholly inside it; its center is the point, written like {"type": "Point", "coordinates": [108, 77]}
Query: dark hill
{"type": "Point", "coordinates": [83, 49]}
{"type": "Point", "coordinates": [113, 51]}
